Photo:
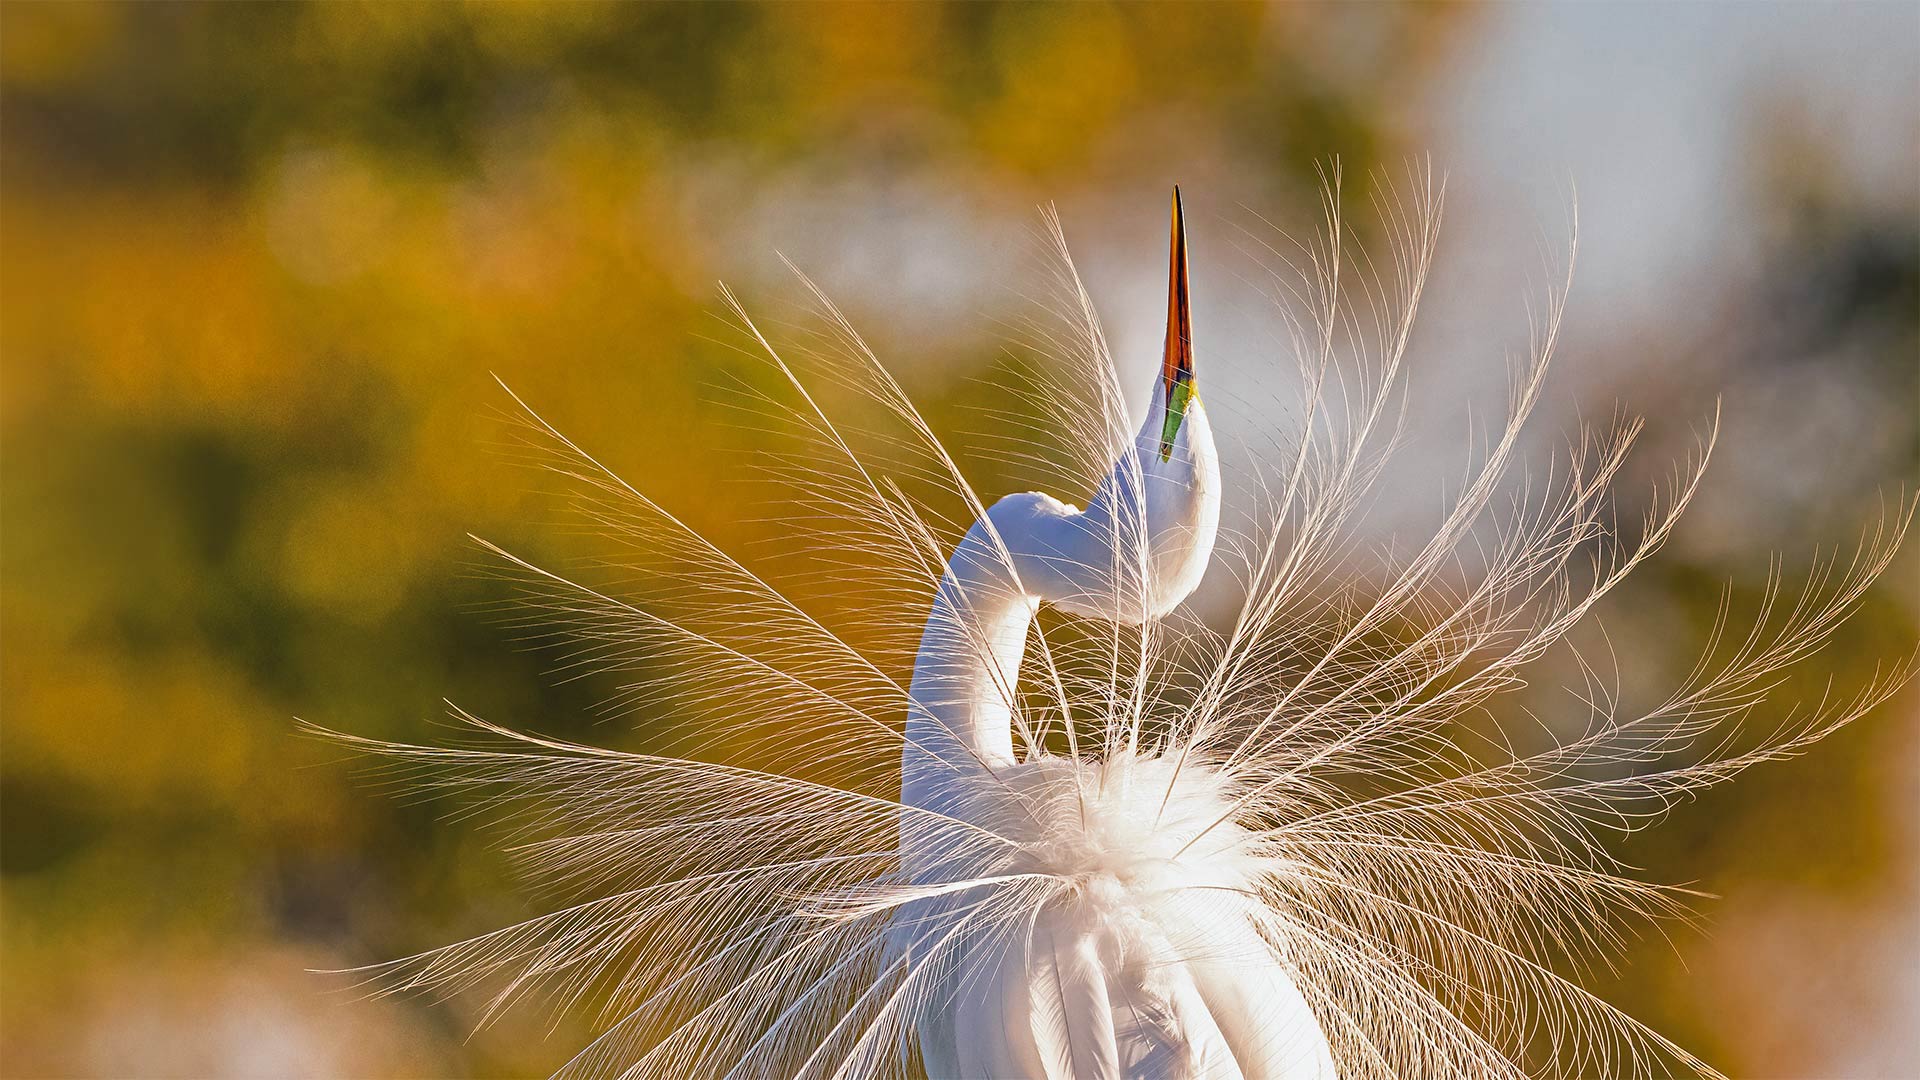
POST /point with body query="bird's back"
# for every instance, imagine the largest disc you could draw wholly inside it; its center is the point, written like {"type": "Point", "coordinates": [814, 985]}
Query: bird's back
{"type": "Point", "coordinates": [1147, 963]}
{"type": "Point", "coordinates": [1091, 999]}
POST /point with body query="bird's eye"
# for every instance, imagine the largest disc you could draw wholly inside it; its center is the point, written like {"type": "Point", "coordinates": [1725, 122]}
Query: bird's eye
{"type": "Point", "coordinates": [1176, 368]}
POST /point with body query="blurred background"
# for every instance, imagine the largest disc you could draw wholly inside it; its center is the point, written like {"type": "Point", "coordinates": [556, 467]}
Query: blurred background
{"type": "Point", "coordinates": [257, 262]}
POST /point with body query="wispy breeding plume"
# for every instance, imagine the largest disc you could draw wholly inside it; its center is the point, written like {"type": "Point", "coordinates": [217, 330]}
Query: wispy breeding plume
{"type": "Point", "coordinates": [1024, 814]}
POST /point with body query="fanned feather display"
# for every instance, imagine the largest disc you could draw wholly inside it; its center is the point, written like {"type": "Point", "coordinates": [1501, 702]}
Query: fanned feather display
{"type": "Point", "coordinates": [1302, 772]}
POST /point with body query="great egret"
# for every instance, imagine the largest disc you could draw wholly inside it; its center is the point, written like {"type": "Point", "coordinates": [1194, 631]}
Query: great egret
{"type": "Point", "coordinates": [1126, 845]}
{"type": "Point", "coordinates": [1148, 963]}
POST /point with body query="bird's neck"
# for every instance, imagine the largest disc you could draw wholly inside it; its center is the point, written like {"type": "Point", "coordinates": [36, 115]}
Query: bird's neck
{"type": "Point", "coordinates": [959, 725]}
{"type": "Point", "coordinates": [1135, 552]}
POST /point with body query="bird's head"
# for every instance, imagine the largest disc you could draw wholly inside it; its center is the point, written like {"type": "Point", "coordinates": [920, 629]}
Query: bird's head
{"type": "Point", "coordinates": [1157, 509]}
{"type": "Point", "coordinates": [1174, 449]}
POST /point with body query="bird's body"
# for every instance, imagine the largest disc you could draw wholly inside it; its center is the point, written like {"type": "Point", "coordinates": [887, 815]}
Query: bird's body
{"type": "Point", "coordinates": [1147, 964]}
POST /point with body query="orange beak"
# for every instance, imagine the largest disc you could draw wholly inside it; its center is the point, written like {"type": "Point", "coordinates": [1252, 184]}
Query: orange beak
{"type": "Point", "coordinates": [1176, 367]}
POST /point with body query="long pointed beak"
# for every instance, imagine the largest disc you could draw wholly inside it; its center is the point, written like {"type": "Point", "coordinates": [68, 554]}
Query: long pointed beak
{"type": "Point", "coordinates": [1176, 368]}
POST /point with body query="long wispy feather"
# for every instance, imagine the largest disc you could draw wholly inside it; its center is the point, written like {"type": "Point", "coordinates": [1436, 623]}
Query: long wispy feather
{"type": "Point", "coordinates": [1432, 887]}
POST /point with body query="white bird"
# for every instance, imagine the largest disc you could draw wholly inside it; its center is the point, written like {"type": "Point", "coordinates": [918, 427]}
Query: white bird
{"type": "Point", "coordinates": [1123, 844]}
{"type": "Point", "coordinates": [1146, 962]}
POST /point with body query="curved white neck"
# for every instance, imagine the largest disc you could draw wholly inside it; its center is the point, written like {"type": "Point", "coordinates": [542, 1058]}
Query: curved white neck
{"type": "Point", "coordinates": [960, 721]}
{"type": "Point", "coordinates": [1138, 549]}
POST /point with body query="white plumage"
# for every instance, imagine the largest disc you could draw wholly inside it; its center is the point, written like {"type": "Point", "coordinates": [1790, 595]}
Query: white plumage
{"type": "Point", "coordinates": [1146, 960]}
{"type": "Point", "coordinates": [1148, 963]}
{"type": "Point", "coordinates": [1123, 844]}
